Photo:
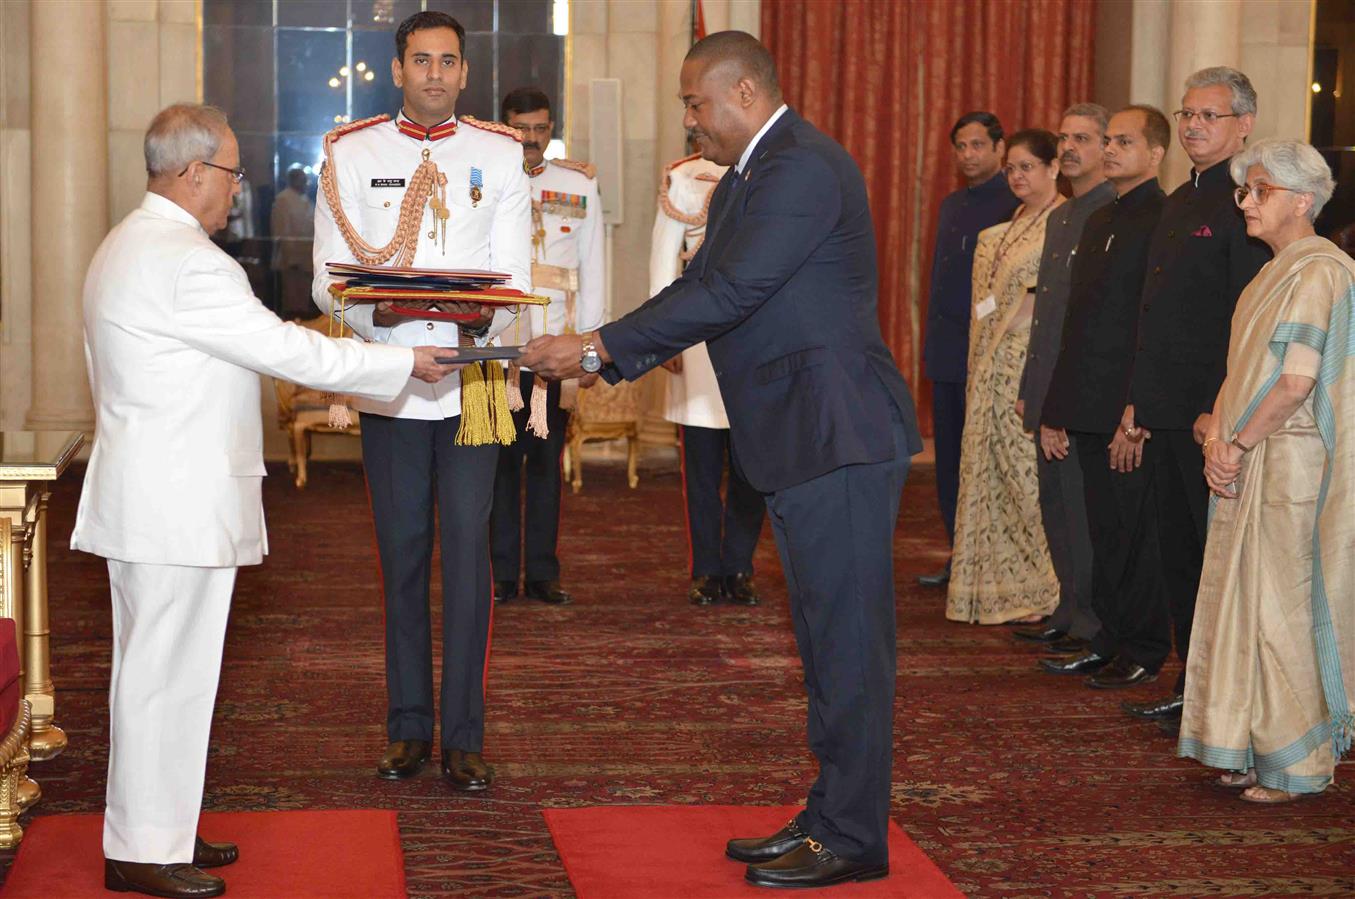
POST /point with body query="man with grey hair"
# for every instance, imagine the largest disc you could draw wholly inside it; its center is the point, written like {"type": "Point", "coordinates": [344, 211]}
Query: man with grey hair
{"type": "Point", "coordinates": [175, 342]}
{"type": "Point", "coordinates": [1199, 262]}
{"type": "Point", "coordinates": [1082, 140]}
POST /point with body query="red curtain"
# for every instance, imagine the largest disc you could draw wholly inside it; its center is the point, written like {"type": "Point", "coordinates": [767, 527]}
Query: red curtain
{"type": "Point", "coordinates": [888, 78]}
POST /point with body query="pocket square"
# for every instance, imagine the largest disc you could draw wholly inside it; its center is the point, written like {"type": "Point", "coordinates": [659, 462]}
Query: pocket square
{"type": "Point", "coordinates": [1203, 232]}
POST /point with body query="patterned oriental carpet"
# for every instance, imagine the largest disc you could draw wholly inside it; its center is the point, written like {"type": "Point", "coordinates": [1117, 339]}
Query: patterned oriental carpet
{"type": "Point", "coordinates": [1016, 784]}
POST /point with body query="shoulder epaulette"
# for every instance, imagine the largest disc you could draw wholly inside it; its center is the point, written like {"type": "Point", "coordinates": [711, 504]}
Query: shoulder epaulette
{"type": "Point", "coordinates": [694, 220]}
{"type": "Point", "coordinates": [677, 162]}
{"type": "Point", "coordinates": [496, 127]}
{"type": "Point", "coordinates": [587, 169]}
{"type": "Point", "coordinates": [349, 127]}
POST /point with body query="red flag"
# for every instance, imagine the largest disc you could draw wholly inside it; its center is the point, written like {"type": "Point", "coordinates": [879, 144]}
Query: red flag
{"type": "Point", "coordinates": [699, 21]}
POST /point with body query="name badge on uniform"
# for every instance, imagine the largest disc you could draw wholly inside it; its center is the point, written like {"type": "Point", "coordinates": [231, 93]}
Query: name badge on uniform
{"type": "Point", "coordinates": [986, 307]}
{"type": "Point", "coordinates": [388, 182]}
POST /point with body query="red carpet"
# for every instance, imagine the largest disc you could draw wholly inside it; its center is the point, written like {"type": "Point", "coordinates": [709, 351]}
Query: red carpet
{"type": "Point", "coordinates": [1014, 783]}
{"type": "Point", "coordinates": [661, 851]}
{"type": "Point", "coordinates": [297, 855]}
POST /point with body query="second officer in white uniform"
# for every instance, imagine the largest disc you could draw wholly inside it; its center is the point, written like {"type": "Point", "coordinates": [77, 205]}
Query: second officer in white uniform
{"type": "Point", "coordinates": [722, 534]}
{"type": "Point", "coordinates": [412, 461]}
{"type": "Point", "coordinates": [567, 267]}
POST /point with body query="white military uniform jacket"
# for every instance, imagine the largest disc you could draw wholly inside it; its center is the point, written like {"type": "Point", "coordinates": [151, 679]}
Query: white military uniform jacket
{"type": "Point", "coordinates": [374, 166]}
{"type": "Point", "coordinates": [173, 340]}
{"type": "Point", "coordinates": [679, 228]}
{"type": "Point", "coordinates": [565, 204]}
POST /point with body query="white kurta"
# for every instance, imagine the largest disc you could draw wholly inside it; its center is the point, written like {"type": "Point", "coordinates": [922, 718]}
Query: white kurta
{"type": "Point", "coordinates": [174, 342]}
{"type": "Point", "coordinates": [693, 396]}
{"type": "Point", "coordinates": [374, 165]}
{"type": "Point", "coordinates": [174, 339]}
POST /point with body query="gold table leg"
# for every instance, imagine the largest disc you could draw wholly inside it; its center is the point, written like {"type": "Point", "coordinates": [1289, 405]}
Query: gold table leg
{"type": "Point", "coordinates": [47, 739]}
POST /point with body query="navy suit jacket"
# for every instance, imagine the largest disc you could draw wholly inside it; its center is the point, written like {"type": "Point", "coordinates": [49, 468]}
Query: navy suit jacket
{"type": "Point", "coordinates": [783, 291]}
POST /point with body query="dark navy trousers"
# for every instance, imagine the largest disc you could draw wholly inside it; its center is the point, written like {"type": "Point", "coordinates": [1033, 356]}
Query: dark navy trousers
{"type": "Point", "coordinates": [723, 533]}
{"type": "Point", "coordinates": [528, 538]}
{"type": "Point", "coordinates": [835, 534]}
{"type": "Point", "coordinates": [421, 482]}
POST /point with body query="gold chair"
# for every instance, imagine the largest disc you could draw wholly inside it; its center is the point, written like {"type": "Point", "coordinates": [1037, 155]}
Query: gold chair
{"type": "Point", "coordinates": [303, 412]}
{"type": "Point", "coordinates": [17, 792]}
{"type": "Point", "coordinates": [603, 412]}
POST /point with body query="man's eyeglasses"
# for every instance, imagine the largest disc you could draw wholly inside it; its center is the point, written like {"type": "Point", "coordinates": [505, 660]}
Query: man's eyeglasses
{"type": "Point", "coordinates": [1206, 116]}
{"type": "Point", "coordinates": [1258, 192]}
{"type": "Point", "coordinates": [237, 174]}
{"type": "Point", "coordinates": [534, 129]}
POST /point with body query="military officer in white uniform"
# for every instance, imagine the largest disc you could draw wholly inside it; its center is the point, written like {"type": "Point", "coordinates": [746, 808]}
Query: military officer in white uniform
{"type": "Point", "coordinates": [722, 534]}
{"type": "Point", "coordinates": [174, 339]}
{"type": "Point", "coordinates": [567, 267]}
{"type": "Point", "coordinates": [412, 461]}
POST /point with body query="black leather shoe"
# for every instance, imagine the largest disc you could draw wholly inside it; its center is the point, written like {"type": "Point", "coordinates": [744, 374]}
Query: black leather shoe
{"type": "Point", "coordinates": [766, 849]}
{"type": "Point", "coordinates": [739, 590]}
{"type": "Point", "coordinates": [214, 855]}
{"type": "Point", "coordinates": [548, 592]}
{"type": "Point", "coordinates": [1167, 707]}
{"type": "Point", "coordinates": [1069, 646]}
{"type": "Point", "coordinates": [466, 771]}
{"type": "Point", "coordinates": [403, 758]}
{"type": "Point", "coordinates": [1039, 634]}
{"type": "Point", "coordinates": [939, 579]}
{"type": "Point", "coordinates": [505, 590]}
{"type": "Point", "coordinates": [178, 881]}
{"type": "Point", "coordinates": [1083, 664]}
{"type": "Point", "coordinates": [1120, 673]}
{"type": "Point", "coordinates": [705, 591]}
{"type": "Point", "coordinates": [811, 865]}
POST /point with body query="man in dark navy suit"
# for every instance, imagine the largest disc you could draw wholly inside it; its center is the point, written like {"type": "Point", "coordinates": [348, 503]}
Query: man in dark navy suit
{"type": "Point", "coordinates": [783, 291]}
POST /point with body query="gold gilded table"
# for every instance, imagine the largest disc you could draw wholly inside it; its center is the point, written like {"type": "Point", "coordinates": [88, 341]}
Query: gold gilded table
{"type": "Point", "coordinates": [29, 462]}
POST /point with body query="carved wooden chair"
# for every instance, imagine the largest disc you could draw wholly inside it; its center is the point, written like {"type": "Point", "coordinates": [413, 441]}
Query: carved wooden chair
{"type": "Point", "coordinates": [303, 412]}
{"type": "Point", "coordinates": [604, 412]}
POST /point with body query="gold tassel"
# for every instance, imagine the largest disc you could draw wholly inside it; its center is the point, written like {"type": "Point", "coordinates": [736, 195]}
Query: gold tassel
{"type": "Point", "coordinates": [485, 416]}
{"type": "Point", "coordinates": [504, 431]}
{"type": "Point", "coordinates": [536, 421]}
{"type": "Point", "coordinates": [514, 386]}
{"type": "Point", "coordinates": [339, 416]}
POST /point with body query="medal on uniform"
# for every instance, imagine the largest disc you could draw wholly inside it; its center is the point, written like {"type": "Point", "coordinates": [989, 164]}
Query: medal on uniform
{"type": "Point", "coordinates": [477, 181]}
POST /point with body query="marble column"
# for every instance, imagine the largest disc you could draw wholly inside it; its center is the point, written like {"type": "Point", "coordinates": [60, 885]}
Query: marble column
{"type": "Point", "coordinates": [69, 97]}
{"type": "Point", "coordinates": [1203, 33]}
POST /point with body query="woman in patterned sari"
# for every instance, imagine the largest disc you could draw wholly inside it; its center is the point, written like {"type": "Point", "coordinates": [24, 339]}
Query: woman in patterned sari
{"type": "Point", "coordinates": [1272, 653]}
{"type": "Point", "coordinates": [1001, 570]}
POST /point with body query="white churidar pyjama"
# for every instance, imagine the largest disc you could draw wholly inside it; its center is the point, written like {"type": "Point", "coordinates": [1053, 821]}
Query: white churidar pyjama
{"type": "Point", "coordinates": [169, 624]}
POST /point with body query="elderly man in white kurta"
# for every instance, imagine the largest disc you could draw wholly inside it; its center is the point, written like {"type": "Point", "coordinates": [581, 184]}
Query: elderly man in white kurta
{"type": "Point", "coordinates": [174, 341]}
{"type": "Point", "coordinates": [722, 534]}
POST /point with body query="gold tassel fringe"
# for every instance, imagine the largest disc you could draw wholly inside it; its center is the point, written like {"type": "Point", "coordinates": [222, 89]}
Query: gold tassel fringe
{"type": "Point", "coordinates": [485, 416]}
{"type": "Point", "coordinates": [514, 386]}
{"type": "Point", "coordinates": [536, 420]}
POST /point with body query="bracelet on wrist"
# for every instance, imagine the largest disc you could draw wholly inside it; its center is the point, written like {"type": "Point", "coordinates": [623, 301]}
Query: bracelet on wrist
{"type": "Point", "coordinates": [1237, 442]}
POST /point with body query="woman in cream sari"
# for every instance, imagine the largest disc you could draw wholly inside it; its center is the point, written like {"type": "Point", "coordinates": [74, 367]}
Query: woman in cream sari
{"type": "Point", "coordinates": [1272, 653]}
{"type": "Point", "coordinates": [1001, 569]}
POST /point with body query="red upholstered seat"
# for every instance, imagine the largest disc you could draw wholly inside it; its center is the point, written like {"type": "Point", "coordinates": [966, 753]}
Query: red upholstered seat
{"type": "Point", "coordinates": [11, 691]}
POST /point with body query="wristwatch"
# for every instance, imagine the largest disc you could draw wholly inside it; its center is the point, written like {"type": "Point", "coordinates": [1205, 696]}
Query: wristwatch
{"type": "Point", "coordinates": [590, 361]}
